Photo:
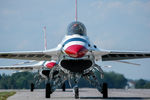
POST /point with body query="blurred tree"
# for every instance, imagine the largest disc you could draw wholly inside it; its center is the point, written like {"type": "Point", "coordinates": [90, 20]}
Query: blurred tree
{"type": "Point", "coordinates": [115, 80]}
{"type": "Point", "coordinates": [141, 83]}
{"type": "Point", "coordinates": [22, 80]}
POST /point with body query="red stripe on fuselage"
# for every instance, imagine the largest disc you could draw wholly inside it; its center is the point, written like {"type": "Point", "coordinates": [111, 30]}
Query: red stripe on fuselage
{"type": "Point", "coordinates": [50, 65]}
{"type": "Point", "coordinates": [76, 51]}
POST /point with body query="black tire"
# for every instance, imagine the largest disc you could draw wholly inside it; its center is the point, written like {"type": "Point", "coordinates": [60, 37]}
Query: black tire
{"type": "Point", "coordinates": [63, 87]}
{"type": "Point", "coordinates": [76, 90]}
{"type": "Point", "coordinates": [105, 90]}
{"type": "Point", "coordinates": [32, 87]}
{"type": "Point", "coordinates": [47, 90]}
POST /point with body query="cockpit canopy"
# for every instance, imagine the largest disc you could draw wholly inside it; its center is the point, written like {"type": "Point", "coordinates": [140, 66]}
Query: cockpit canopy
{"type": "Point", "coordinates": [76, 28]}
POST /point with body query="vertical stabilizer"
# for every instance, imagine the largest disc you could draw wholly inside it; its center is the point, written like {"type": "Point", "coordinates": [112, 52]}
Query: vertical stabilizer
{"type": "Point", "coordinates": [45, 40]}
{"type": "Point", "coordinates": [76, 11]}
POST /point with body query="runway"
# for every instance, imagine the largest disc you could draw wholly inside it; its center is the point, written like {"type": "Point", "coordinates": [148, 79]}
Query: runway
{"type": "Point", "coordinates": [85, 94]}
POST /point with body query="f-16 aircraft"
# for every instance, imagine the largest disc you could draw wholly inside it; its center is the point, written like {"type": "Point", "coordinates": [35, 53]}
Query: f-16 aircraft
{"type": "Point", "coordinates": [74, 58]}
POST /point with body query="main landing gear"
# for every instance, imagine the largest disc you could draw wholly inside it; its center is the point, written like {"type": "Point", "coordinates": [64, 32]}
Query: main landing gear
{"type": "Point", "coordinates": [48, 90]}
{"type": "Point", "coordinates": [105, 90]}
{"type": "Point", "coordinates": [32, 87]}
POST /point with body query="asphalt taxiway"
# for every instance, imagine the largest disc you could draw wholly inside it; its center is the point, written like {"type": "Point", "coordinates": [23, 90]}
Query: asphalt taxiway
{"type": "Point", "coordinates": [84, 94]}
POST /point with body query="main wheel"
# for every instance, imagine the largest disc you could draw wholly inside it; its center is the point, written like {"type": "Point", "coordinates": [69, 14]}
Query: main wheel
{"type": "Point", "coordinates": [76, 90]}
{"type": "Point", "coordinates": [47, 90]}
{"type": "Point", "coordinates": [32, 87]}
{"type": "Point", "coordinates": [64, 87]}
{"type": "Point", "coordinates": [105, 90]}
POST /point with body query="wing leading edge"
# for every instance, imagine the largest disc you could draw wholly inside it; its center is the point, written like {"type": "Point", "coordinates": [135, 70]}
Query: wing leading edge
{"type": "Point", "coordinates": [119, 55]}
{"type": "Point", "coordinates": [30, 67]}
{"type": "Point", "coordinates": [32, 55]}
{"type": "Point", "coordinates": [21, 68]}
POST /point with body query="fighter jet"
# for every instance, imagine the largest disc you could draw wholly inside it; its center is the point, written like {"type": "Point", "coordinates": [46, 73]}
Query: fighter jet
{"type": "Point", "coordinates": [74, 58]}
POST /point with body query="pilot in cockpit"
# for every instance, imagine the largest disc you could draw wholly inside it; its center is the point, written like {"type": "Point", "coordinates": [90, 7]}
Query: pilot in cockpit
{"type": "Point", "coordinates": [76, 28]}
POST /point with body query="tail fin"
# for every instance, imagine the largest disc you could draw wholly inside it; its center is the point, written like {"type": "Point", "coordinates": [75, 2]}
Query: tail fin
{"type": "Point", "coordinates": [45, 40]}
{"type": "Point", "coordinates": [76, 11]}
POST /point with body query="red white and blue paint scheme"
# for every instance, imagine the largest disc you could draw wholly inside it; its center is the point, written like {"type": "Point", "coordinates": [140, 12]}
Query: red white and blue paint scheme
{"type": "Point", "coordinates": [73, 58]}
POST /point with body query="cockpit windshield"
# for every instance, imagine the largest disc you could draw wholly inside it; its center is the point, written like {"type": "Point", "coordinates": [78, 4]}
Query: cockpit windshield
{"type": "Point", "coordinates": [76, 28]}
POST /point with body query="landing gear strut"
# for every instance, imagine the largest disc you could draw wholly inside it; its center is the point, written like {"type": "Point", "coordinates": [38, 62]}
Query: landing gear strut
{"type": "Point", "coordinates": [48, 90]}
{"type": "Point", "coordinates": [32, 87]}
{"type": "Point", "coordinates": [105, 90]}
{"type": "Point", "coordinates": [76, 92]}
{"type": "Point", "coordinates": [64, 87]}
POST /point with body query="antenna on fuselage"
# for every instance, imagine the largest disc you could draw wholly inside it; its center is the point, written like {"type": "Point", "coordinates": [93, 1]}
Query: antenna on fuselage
{"type": "Point", "coordinates": [45, 40]}
{"type": "Point", "coordinates": [76, 10]}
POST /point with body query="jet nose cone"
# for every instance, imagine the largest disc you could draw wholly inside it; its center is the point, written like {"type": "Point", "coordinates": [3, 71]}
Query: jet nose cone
{"type": "Point", "coordinates": [76, 51]}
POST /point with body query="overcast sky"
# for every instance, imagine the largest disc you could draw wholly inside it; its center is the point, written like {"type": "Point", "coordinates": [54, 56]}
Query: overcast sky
{"type": "Point", "coordinates": [111, 24]}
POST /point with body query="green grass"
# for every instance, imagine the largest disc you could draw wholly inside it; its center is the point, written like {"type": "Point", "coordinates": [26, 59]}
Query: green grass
{"type": "Point", "coordinates": [5, 95]}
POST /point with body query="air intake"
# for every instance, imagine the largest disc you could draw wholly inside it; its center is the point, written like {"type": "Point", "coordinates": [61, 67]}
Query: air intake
{"type": "Point", "coordinates": [76, 65]}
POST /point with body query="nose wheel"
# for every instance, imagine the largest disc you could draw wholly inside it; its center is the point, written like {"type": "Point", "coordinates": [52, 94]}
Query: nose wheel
{"type": "Point", "coordinates": [76, 92]}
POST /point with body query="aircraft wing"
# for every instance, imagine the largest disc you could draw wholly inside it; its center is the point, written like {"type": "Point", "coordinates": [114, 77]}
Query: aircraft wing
{"type": "Point", "coordinates": [21, 68]}
{"type": "Point", "coordinates": [124, 55]}
{"type": "Point", "coordinates": [32, 55]}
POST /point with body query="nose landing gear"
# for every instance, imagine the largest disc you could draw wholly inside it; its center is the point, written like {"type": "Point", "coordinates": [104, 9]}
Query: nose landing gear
{"type": "Point", "coordinates": [76, 92]}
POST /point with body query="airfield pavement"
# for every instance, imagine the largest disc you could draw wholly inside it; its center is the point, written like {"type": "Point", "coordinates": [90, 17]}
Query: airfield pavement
{"type": "Point", "coordinates": [84, 94]}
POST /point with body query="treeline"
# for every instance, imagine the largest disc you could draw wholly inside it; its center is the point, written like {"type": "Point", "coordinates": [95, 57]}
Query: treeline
{"type": "Point", "coordinates": [141, 83]}
{"type": "Point", "coordinates": [22, 80]}
{"type": "Point", "coordinates": [18, 80]}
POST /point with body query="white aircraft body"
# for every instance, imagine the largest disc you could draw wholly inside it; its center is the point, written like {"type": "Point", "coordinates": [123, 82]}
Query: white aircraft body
{"type": "Point", "coordinates": [73, 58]}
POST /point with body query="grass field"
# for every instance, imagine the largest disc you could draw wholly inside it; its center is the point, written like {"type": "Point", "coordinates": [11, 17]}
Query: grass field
{"type": "Point", "coordinates": [5, 95]}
